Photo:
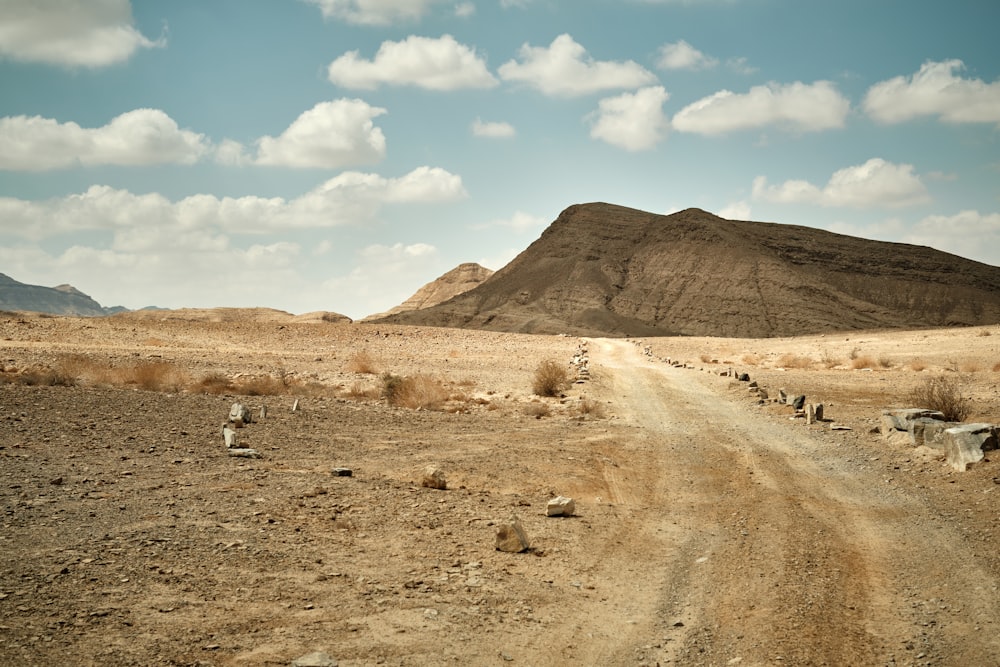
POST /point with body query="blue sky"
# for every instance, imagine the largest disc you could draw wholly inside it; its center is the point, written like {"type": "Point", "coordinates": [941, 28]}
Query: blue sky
{"type": "Point", "coordinates": [338, 154]}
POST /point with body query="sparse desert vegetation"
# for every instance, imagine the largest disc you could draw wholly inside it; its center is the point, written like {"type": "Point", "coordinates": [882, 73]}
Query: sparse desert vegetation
{"type": "Point", "coordinates": [551, 378]}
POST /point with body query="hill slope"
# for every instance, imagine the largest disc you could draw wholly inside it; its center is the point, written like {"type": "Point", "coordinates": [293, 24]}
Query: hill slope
{"type": "Point", "coordinates": [601, 269]}
{"type": "Point", "coordinates": [460, 279]}
{"type": "Point", "coordinates": [61, 300]}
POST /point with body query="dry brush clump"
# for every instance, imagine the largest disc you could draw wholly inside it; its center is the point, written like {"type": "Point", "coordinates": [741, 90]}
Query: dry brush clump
{"type": "Point", "coordinates": [944, 395]}
{"type": "Point", "coordinates": [362, 362]}
{"type": "Point", "coordinates": [799, 361]}
{"type": "Point", "coordinates": [550, 379]}
{"type": "Point", "coordinates": [591, 408]}
{"type": "Point", "coordinates": [414, 392]}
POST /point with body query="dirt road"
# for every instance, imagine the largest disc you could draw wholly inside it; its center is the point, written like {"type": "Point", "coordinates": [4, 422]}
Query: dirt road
{"type": "Point", "coordinates": [710, 530]}
{"type": "Point", "coordinates": [755, 543]}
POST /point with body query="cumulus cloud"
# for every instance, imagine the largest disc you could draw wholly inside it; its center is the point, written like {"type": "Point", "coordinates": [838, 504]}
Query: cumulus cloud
{"type": "Point", "coordinates": [796, 106]}
{"type": "Point", "coordinates": [465, 9]}
{"type": "Point", "coordinates": [70, 33]}
{"type": "Point", "coordinates": [139, 137]}
{"type": "Point", "coordinates": [519, 222]}
{"type": "Point", "coordinates": [968, 233]}
{"type": "Point", "coordinates": [935, 90]}
{"type": "Point", "coordinates": [330, 135]}
{"type": "Point", "coordinates": [348, 198]}
{"type": "Point", "coordinates": [739, 210]}
{"type": "Point", "coordinates": [876, 183]}
{"type": "Point", "coordinates": [495, 130]}
{"type": "Point", "coordinates": [434, 64]}
{"type": "Point", "coordinates": [681, 55]}
{"type": "Point", "coordinates": [375, 12]}
{"type": "Point", "coordinates": [633, 121]}
{"type": "Point", "coordinates": [564, 69]}
{"type": "Point", "coordinates": [384, 276]}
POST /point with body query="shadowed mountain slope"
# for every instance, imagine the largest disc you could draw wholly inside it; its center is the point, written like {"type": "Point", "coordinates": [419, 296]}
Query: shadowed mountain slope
{"type": "Point", "coordinates": [601, 269]}
{"type": "Point", "coordinates": [61, 300]}
{"type": "Point", "coordinates": [460, 279]}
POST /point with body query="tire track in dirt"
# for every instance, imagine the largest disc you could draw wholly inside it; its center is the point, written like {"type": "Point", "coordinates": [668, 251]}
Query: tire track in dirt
{"type": "Point", "coordinates": [770, 549]}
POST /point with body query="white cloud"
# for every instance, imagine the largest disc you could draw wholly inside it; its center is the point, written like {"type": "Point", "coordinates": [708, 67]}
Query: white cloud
{"type": "Point", "coordinates": [968, 233]}
{"type": "Point", "coordinates": [796, 106]}
{"type": "Point", "coordinates": [496, 130]}
{"type": "Point", "coordinates": [152, 219]}
{"type": "Point", "coordinates": [519, 222]}
{"type": "Point", "coordinates": [681, 55]}
{"type": "Point", "coordinates": [564, 69]}
{"type": "Point", "coordinates": [739, 210]}
{"type": "Point", "coordinates": [375, 12]}
{"type": "Point", "coordinates": [465, 9]}
{"type": "Point", "coordinates": [633, 121]}
{"type": "Point", "coordinates": [876, 183]}
{"type": "Point", "coordinates": [139, 137]}
{"type": "Point", "coordinates": [70, 33]}
{"type": "Point", "coordinates": [385, 276]}
{"type": "Point", "coordinates": [330, 135]}
{"type": "Point", "coordinates": [934, 91]}
{"type": "Point", "coordinates": [434, 64]}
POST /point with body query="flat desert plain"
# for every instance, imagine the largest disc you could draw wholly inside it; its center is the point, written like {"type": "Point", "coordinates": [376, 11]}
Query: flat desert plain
{"type": "Point", "coordinates": [710, 528]}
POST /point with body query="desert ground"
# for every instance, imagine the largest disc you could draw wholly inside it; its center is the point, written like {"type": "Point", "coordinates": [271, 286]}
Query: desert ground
{"type": "Point", "coordinates": [710, 529]}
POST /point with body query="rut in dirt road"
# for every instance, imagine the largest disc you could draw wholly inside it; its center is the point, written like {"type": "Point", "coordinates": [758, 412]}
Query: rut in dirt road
{"type": "Point", "coordinates": [782, 550]}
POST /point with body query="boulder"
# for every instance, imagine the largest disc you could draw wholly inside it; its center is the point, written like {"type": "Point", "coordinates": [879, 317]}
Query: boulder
{"type": "Point", "coordinates": [560, 506]}
{"type": "Point", "coordinates": [899, 419]}
{"type": "Point", "coordinates": [928, 432]}
{"type": "Point", "coordinates": [229, 436]}
{"type": "Point", "coordinates": [512, 538]}
{"type": "Point", "coordinates": [434, 478]}
{"type": "Point", "coordinates": [798, 402]}
{"type": "Point", "coordinates": [964, 445]}
{"type": "Point", "coordinates": [239, 415]}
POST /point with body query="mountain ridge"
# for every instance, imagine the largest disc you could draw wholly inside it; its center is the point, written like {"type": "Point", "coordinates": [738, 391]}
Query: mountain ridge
{"type": "Point", "coordinates": [603, 269]}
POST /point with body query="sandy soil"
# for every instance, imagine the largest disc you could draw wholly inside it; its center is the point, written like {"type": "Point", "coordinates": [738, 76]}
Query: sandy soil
{"type": "Point", "coordinates": [711, 530]}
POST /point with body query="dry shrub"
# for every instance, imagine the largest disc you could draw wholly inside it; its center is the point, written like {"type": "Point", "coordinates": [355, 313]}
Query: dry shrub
{"type": "Point", "coordinates": [537, 409]}
{"type": "Point", "coordinates": [885, 362]}
{"type": "Point", "coordinates": [591, 408]}
{"type": "Point", "coordinates": [969, 367]}
{"type": "Point", "coordinates": [996, 367]}
{"type": "Point", "coordinates": [550, 378]}
{"type": "Point", "coordinates": [942, 394]}
{"type": "Point", "coordinates": [708, 359]}
{"type": "Point", "coordinates": [984, 332]}
{"type": "Point", "coordinates": [362, 362]}
{"type": "Point", "coordinates": [154, 376]}
{"type": "Point", "coordinates": [862, 361]}
{"type": "Point", "coordinates": [46, 377]}
{"type": "Point", "coordinates": [751, 359]}
{"type": "Point", "coordinates": [214, 383]}
{"type": "Point", "coordinates": [419, 391]}
{"type": "Point", "coordinates": [828, 360]}
{"type": "Point", "coordinates": [262, 385]}
{"type": "Point", "coordinates": [917, 365]}
{"type": "Point", "coordinates": [794, 361]}
{"type": "Point", "coordinates": [359, 390]}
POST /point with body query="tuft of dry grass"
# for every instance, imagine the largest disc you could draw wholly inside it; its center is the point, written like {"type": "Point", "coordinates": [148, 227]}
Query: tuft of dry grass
{"type": "Point", "coordinates": [917, 365]}
{"type": "Point", "coordinates": [537, 409]}
{"type": "Point", "coordinates": [859, 362]}
{"type": "Point", "coordinates": [550, 379]}
{"type": "Point", "coordinates": [359, 390]}
{"type": "Point", "coordinates": [591, 408]}
{"type": "Point", "coordinates": [969, 367]}
{"type": "Point", "coordinates": [751, 360]}
{"type": "Point", "coordinates": [708, 359]}
{"type": "Point", "coordinates": [794, 361]}
{"type": "Point", "coordinates": [262, 385]}
{"type": "Point", "coordinates": [828, 360]}
{"type": "Point", "coordinates": [363, 363]}
{"type": "Point", "coordinates": [944, 395]}
{"type": "Point", "coordinates": [213, 383]}
{"type": "Point", "coordinates": [416, 392]}
{"type": "Point", "coordinates": [984, 332]}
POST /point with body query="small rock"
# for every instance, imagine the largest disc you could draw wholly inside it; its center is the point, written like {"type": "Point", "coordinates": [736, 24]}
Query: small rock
{"type": "Point", "coordinates": [512, 538]}
{"type": "Point", "coordinates": [342, 472]}
{"type": "Point", "coordinates": [560, 506]}
{"type": "Point", "coordinates": [314, 659]}
{"type": "Point", "coordinates": [434, 478]}
{"type": "Point", "coordinates": [244, 452]}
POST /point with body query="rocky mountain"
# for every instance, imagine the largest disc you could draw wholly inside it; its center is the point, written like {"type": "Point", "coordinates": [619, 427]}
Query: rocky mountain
{"type": "Point", "coordinates": [460, 279]}
{"type": "Point", "coordinates": [601, 269]}
{"type": "Point", "coordinates": [60, 300]}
